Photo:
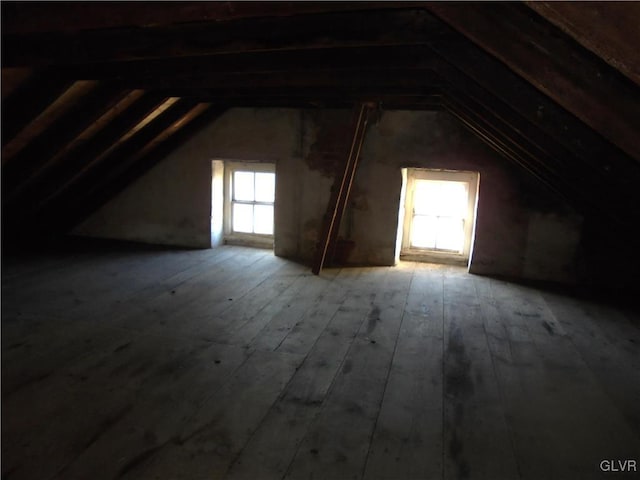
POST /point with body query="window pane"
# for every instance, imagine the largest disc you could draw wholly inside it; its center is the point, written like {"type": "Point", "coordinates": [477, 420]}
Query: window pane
{"type": "Point", "coordinates": [440, 198]}
{"type": "Point", "coordinates": [425, 198]}
{"type": "Point", "coordinates": [450, 234]}
{"type": "Point", "coordinates": [243, 186]}
{"type": "Point", "coordinates": [423, 232]}
{"type": "Point", "coordinates": [242, 218]}
{"type": "Point", "coordinates": [263, 220]}
{"type": "Point", "coordinates": [453, 199]}
{"type": "Point", "coordinates": [265, 187]}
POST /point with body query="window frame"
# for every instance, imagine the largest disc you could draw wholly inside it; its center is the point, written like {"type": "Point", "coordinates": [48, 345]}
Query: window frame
{"type": "Point", "coordinates": [244, 238]}
{"type": "Point", "coordinates": [471, 179]}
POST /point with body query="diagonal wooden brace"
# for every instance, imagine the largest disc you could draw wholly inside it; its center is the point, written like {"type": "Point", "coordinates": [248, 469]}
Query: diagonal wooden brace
{"type": "Point", "coordinates": [340, 192]}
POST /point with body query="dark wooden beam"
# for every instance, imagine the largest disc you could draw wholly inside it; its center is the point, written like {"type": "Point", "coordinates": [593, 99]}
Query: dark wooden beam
{"type": "Point", "coordinates": [615, 38]}
{"type": "Point", "coordinates": [345, 29]}
{"type": "Point", "coordinates": [410, 87]}
{"type": "Point", "coordinates": [29, 100]}
{"type": "Point", "coordinates": [555, 64]}
{"type": "Point", "coordinates": [155, 151]}
{"type": "Point", "coordinates": [471, 70]}
{"type": "Point", "coordinates": [141, 152]}
{"type": "Point", "coordinates": [45, 120]}
{"type": "Point", "coordinates": [509, 142]}
{"type": "Point", "coordinates": [380, 76]}
{"type": "Point", "coordinates": [340, 192]}
{"type": "Point", "coordinates": [342, 99]}
{"type": "Point", "coordinates": [177, 117]}
{"type": "Point", "coordinates": [34, 188]}
{"type": "Point", "coordinates": [33, 17]}
{"type": "Point", "coordinates": [495, 140]}
{"type": "Point", "coordinates": [72, 167]}
{"type": "Point", "coordinates": [12, 78]}
{"type": "Point", "coordinates": [38, 152]}
{"type": "Point", "coordinates": [278, 61]}
{"type": "Point", "coordinates": [97, 173]}
{"type": "Point", "coordinates": [569, 174]}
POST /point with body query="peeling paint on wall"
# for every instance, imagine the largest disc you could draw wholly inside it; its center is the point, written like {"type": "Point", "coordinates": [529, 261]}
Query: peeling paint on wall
{"type": "Point", "coordinates": [330, 140]}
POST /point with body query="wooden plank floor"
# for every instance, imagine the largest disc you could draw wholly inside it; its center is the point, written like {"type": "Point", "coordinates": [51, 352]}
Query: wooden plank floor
{"type": "Point", "coordinates": [231, 363]}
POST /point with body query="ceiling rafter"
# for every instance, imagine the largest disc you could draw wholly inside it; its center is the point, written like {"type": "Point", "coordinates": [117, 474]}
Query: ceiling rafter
{"type": "Point", "coordinates": [27, 17]}
{"type": "Point", "coordinates": [301, 32]}
{"type": "Point", "coordinates": [13, 78]}
{"type": "Point", "coordinates": [365, 76]}
{"type": "Point", "coordinates": [553, 171]}
{"type": "Point", "coordinates": [137, 155]}
{"type": "Point", "coordinates": [54, 139]}
{"type": "Point", "coordinates": [32, 186]}
{"type": "Point", "coordinates": [586, 86]}
{"type": "Point", "coordinates": [109, 164]}
{"type": "Point", "coordinates": [616, 37]}
{"type": "Point", "coordinates": [56, 112]}
{"type": "Point", "coordinates": [329, 58]}
{"type": "Point", "coordinates": [74, 166]}
{"type": "Point", "coordinates": [29, 101]}
{"type": "Point", "coordinates": [400, 56]}
{"type": "Point", "coordinates": [482, 73]}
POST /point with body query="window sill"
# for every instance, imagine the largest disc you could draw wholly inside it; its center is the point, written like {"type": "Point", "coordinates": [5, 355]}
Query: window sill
{"type": "Point", "coordinates": [257, 241]}
{"type": "Point", "coordinates": [432, 256]}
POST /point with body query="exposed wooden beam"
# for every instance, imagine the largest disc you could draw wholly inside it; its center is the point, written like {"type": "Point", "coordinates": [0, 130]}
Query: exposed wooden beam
{"type": "Point", "coordinates": [30, 100]}
{"type": "Point", "coordinates": [99, 123]}
{"type": "Point", "coordinates": [72, 167]}
{"type": "Point", "coordinates": [554, 162]}
{"type": "Point", "coordinates": [154, 141]}
{"type": "Point", "coordinates": [84, 111]}
{"type": "Point", "coordinates": [33, 188]}
{"type": "Point", "coordinates": [379, 76]}
{"type": "Point", "coordinates": [556, 65]}
{"type": "Point", "coordinates": [467, 67]}
{"type": "Point", "coordinates": [429, 99]}
{"type": "Point", "coordinates": [278, 61]}
{"type": "Point", "coordinates": [12, 78]}
{"type": "Point", "coordinates": [171, 130]}
{"type": "Point", "coordinates": [508, 141]}
{"type": "Point", "coordinates": [491, 137]}
{"type": "Point", "coordinates": [32, 17]}
{"type": "Point", "coordinates": [405, 96]}
{"type": "Point", "coordinates": [122, 146]}
{"type": "Point", "coordinates": [346, 29]}
{"type": "Point", "coordinates": [131, 144]}
{"type": "Point", "coordinates": [152, 153]}
{"type": "Point", "coordinates": [117, 170]}
{"type": "Point", "coordinates": [54, 113]}
{"type": "Point", "coordinates": [340, 192]}
{"type": "Point", "coordinates": [113, 143]}
{"type": "Point", "coordinates": [608, 29]}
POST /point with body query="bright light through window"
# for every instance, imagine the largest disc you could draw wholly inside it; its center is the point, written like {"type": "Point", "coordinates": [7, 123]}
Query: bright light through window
{"type": "Point", "coordinates": [253, 196]}
{"type": "Point", "coordinates": [439, 213]}
{"type": "Point", "coordinates": [243, 186]}
{"type": "Point", "coordinates": [265, 187]}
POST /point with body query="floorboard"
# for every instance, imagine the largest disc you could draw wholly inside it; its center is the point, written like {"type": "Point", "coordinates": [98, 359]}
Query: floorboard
{"type": "Point", "coordinates": [407, 441]}
{"type": "Point", "coordinates": [231, 363]}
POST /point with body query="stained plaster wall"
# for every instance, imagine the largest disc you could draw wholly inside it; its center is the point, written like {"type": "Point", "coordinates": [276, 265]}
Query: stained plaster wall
{"type": "Point", "coordinates": [171, 204]}
{"type": "Point", "coordinates": [522, 230]}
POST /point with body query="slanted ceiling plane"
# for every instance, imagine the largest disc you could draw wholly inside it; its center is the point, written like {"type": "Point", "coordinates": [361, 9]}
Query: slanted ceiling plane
{"type": "Point", "coordinates": [94, 94]}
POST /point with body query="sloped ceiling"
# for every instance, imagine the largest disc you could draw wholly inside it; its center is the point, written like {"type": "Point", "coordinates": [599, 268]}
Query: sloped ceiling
{"type": "Point", "coordinates": [94, 94]}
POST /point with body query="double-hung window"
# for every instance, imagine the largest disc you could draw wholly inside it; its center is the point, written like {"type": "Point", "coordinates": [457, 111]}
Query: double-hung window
{"type": "Point", "coordinates": [251, 200]}
{"type": "Point", "coordinates": [439, 213]}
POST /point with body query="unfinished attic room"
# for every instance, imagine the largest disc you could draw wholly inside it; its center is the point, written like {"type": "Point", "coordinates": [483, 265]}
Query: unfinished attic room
{"type": "Point", "coordinates": [320, 240]}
